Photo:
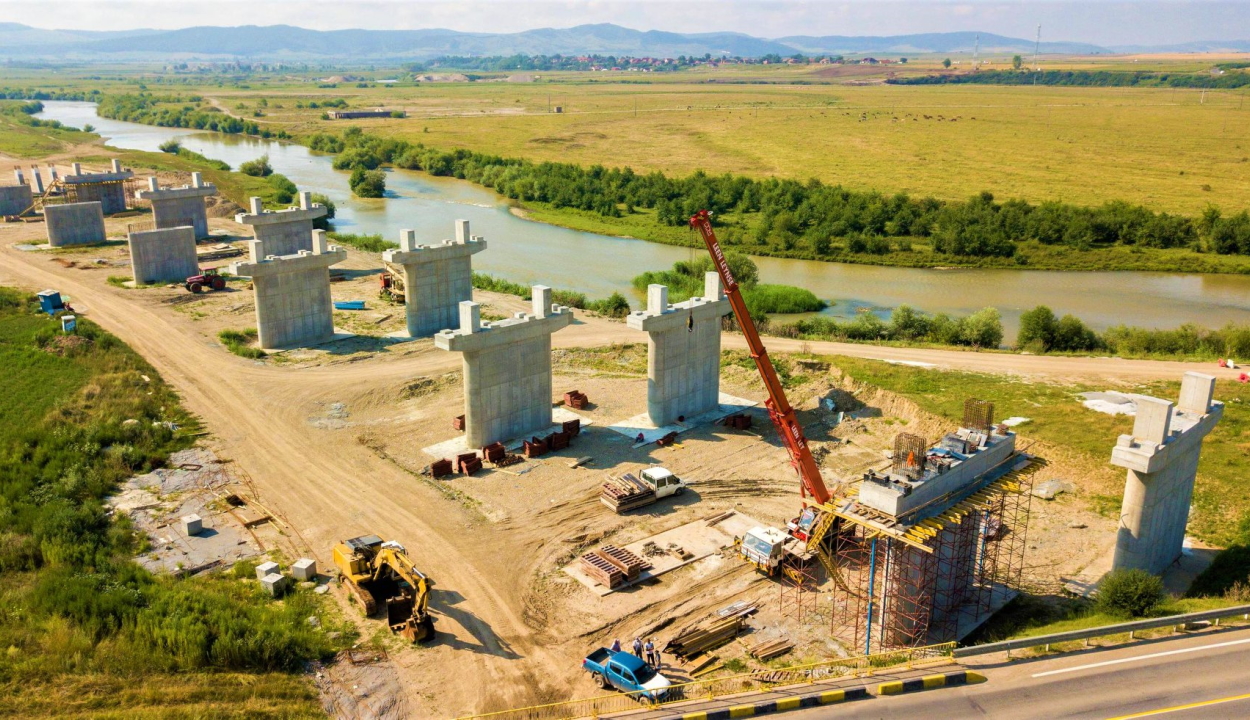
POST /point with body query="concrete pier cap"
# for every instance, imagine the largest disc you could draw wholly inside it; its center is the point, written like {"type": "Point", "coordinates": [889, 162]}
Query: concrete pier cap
{"type": "Point", "coordinates": [437, 278]}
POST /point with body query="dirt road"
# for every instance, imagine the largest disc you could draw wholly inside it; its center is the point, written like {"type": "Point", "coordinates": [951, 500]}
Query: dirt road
{"type": "Point", "coordinates": [328, 490]}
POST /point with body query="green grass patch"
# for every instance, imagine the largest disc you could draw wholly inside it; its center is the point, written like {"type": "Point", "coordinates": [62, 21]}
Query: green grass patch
{"type": "Point", "coordinates": [368, 243]}
{"type": "Point", "coordinates": [240, 342]}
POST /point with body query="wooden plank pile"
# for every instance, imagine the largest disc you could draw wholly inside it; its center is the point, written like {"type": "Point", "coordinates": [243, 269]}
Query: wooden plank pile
{"type": "Point", "coordinates": [626, 493]}
{"type": "Point", "coordinates": [624, 560]}
{"type": "Point", "coordinates": [769, 649]}
{"type": "Point", "coordinates": [576, 399]}
{"type": "Point", "coordinates": [709, 637]}
{"type": "Point", "coordinates": [440, 468]}
{"type": "Point", "coordinates": [602, 571]}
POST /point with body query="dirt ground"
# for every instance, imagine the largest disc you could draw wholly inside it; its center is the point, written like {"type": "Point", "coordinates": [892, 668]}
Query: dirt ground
{"type": "Point", "coordinates": [329, 440]}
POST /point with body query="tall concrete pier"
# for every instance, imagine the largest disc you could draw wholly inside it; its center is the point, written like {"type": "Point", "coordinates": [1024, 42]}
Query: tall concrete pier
{"type": "Point", "coordinates": [284, 232]}
{"type": "Point", "coordinates": [180, 206]}
{"type": "Point", "coordinates": [437, 278]}
{"type": "Point", "coordinates": [293, 306]}
{"type": "Point", "coordinates": [15, 199]}
{"type": "Point", "coordinates": [507, 369]}
{"type": "Point", "coordinates": [1161, 457]}
{"type": "Point", "coordinates": [683, 358]}
{"type": "Point", "coordinates": [74, 224]}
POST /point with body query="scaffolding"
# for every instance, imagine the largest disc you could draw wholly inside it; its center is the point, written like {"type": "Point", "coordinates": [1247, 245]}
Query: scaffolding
{"type": "Point", "coordinates": [798, 594]}
{"type": "Point", "coordinates": [912, 583]}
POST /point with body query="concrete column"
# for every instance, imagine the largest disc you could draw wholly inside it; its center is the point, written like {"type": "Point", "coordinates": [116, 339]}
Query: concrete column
{"type": "Point", "coordinates": [293, 306]}
{"type": "Point", "coordinates": [197, 179]}
{"type": "Point", "coordinates": [180, 206]}
{"type": "Point", "coordinates": [116, 165]}
{"type": "Point", "coordinates": [305, 200]}
{"type": "Point", "coordinates": [37, 179]}
{"type": "Point", "coordinates": [711, 287]}
{"type": "Point", "coordinates": [683, 352]}
{"type": "Point", "coordinates": [52, 172]}
{"type": "Point", "coordinates": [507, 372]}
{"type": "Point", "coordinates": [462, 231]}
{"type": "Point", "coordinates": [74, 224]}
{"type": "Point", "coordinates": [437, 279]}
{"type": "Point", "coordinates": [77, 168]}
{"type": "Point", "coordinates": [21, 180]}
{"type": "Point", "coordinates": [284, 232]}
{"type": "Point", "coordinates": [257, 206]}
{"type": "Point", "coordinates": [1161, 459]}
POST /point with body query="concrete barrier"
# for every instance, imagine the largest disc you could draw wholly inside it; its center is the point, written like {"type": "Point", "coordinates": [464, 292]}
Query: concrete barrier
{"type": "Point", "coordinates": [928, 682]}
{"type": "Point", "coordinates": [764, 707]}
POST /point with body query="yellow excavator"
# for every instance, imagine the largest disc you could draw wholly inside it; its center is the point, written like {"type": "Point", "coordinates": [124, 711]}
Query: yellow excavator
{"type": "Point", "coordinates": [379, 572]}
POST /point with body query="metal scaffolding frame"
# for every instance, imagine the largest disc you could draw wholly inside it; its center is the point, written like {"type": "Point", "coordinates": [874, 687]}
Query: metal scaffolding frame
{"type": "Point", "coordinates": [915, 584]}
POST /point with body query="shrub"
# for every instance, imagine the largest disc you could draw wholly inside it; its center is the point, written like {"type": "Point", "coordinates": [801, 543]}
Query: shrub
{"type": "Point", "coordinates": [323, 222]}
{"type": "Point", "coordinates": [368, 243]}
{"type": "Point", "coordinates": [257, 168]}
{"type": "Point", "coordinates": [284, 189]}
{"type": "Point", "coordinates": [1129, 592]}
{"type": "Point", "coordinates": [613, 306]}
{"type": "Point", "coordinates": [171, 146]}
{"type": "Point", "coordinates": [367, 183]}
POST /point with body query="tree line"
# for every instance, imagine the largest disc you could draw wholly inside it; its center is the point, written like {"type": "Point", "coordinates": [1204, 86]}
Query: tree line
{"type": "Point", "coordinates": [1085, 78]}
{"type": "Point", "coordinates": [811, 218]}
{"type": "Point", "coordinates": [150, 109]}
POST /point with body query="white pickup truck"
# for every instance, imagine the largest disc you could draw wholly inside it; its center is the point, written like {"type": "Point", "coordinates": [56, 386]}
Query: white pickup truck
{"type": "Point", "coordinates": [630, 493]}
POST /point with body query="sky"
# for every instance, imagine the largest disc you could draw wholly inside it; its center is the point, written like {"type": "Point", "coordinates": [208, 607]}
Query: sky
{"type": "Point", "coordinates": [1104, 22]}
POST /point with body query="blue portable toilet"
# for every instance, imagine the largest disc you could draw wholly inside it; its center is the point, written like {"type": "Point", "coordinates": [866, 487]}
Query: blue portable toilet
{"type": "Point", "coordinates": [50, 301]}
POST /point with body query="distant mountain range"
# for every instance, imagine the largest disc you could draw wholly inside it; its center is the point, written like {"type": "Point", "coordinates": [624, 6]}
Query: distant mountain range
{"type": "Point", "coordinates": [284, 42]}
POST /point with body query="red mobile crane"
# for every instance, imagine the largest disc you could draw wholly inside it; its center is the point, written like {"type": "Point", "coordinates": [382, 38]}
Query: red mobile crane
{"type": "Point", "coordinates": [813, 523]}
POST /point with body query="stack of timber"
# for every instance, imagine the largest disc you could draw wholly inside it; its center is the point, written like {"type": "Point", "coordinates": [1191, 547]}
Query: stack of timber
{"type": "Point", "coordinates": [626, 493]}
{"type": "Point", "coordinates": [769, 649]}
{"type": "Point", "coordinates": [602, 571]}
{"type": "Point", "coordinates": [709, 637]}
{"type": "Point", "coordinates": [624, 560]}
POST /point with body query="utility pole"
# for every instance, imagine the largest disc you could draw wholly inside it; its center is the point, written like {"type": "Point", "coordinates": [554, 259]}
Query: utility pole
{"type": "Point", "coordinates": [976, 54]}
{"type": "Point", "coordinates": [1037, 50]}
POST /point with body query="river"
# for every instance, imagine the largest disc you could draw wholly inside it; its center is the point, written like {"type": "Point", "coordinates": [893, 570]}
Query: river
{"type": "Point", "coordinates": [530, 252]}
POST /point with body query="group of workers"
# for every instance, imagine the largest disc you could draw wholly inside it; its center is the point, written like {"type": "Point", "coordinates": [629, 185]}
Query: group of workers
{"type": "Point", "coordinates": [651, 656]}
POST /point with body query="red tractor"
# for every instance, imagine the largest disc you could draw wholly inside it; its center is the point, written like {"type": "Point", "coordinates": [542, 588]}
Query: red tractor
{"type": "Point", "coordinates": [209, 278]}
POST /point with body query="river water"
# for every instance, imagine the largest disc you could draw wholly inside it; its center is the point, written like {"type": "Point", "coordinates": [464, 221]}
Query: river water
{"type": "Point", "coordinates": [531, 253]}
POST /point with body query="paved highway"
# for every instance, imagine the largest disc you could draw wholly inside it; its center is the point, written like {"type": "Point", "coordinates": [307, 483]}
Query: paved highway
{"type": "Point", "coordinates": [1201, 676]}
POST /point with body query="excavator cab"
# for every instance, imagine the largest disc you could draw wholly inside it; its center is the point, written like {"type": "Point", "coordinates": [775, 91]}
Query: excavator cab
{"type": "Point", "coordinates": [801, 527]}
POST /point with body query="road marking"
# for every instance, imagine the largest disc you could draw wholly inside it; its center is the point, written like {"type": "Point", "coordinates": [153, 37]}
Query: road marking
{"type": "Point", "coordinates": [1141, 657]}
{"type": "Point", "coordinates": [1178, 708]}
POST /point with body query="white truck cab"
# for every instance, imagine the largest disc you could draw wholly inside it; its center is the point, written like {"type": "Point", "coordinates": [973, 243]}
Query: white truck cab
{"type": "Point", "coordinates": [663, 481]}
{"type": "Point", "coordinates": [765, 547]}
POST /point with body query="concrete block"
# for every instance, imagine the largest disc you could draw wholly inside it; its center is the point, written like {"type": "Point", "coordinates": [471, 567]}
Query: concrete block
{"type": "Point", "coordinates": [540, 299]}
{"type": "Point", "coordinates": [470, 317]}
{"type": "Point", "coordinates": [74, 224]}
{"type": "Point", "coordinates": [437, 279]}
{"type": "Point", "coordinates": [116, 165]}
{"type": "Point", "coordinates": [1153, 422]}
{"type": "Point", "coordinates": [462, 231]}
{"type": "Point", "coordinates": [275, 584]}
{"type": "Point", "coordinates": [37, 180]}
{"type": "Point", "coordinates": [163, 256]}
{"type": "Point", "coordinates": [1197, 391]}
{"type": "Point", "coordinates": [304, 569]}
{"type": "Point", "coordinates": [77, 168]}
{"type": "Point", "coordinates": [192, 525]}
{"type": "Point", "coordinates": [17, 173]}
{"type": "Point", "coordinates": [267, 568]}
{"type": "Point", "coordinates": [305, 200]}
{"type": "Point", "coordinates": [15, 199]}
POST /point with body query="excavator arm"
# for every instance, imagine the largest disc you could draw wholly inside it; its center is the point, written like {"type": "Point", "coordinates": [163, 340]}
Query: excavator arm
{"type": "Point", "coordinates": [779, 408]}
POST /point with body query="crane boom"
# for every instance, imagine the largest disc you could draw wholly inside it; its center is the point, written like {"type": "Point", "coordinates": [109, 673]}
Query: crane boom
{"type": "Point", "coordinates": [779, 408]}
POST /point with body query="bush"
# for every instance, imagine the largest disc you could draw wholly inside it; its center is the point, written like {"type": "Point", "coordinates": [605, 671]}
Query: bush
{"type": "Point", "coordinates": [367, 183]}
{"type": "Point", "coordinates": [323, 223]}
{"type": "Point", "coordinates": [1129, 592]}
{"type": "Point", "coordinates": [284, 189]}
{"type": "Point", "coordinates": [613, 306]}
{"type": "Point", "coordinates": [368, 243]}
{"type": "Point", "coordinates": [171, 146]}
{"type": "Point", "coordinates": [257, 168]}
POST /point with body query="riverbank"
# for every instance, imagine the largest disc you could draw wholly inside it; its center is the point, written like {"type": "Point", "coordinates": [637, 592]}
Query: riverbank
{"type": "Point", "coordinates": [641, 225]}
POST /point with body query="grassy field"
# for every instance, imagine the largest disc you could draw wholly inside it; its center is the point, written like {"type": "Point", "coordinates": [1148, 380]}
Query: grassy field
{"type": "Point", "coordinates": [1173, 150]}
{"type": "Point", "coordinates": [85, 630]}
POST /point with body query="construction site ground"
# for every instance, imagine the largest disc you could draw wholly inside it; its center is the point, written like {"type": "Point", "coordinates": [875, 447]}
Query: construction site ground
{"type": "Point", "coordinates": [329, 441]}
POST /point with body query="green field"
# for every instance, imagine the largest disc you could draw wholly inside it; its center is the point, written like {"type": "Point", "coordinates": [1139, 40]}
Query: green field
{"type": "Point", "coordinates": [85, 630]}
